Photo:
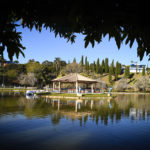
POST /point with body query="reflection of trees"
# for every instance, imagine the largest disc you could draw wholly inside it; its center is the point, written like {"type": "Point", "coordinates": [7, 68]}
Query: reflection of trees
{"type": "Point", "coordinates": [132, 106]}
{"type": "Point", "coordinates": [9, 105]}
{"type": "Point", "coordinates": [104, 113]}
{"type": "Point", "coordinates": [127, 108]}
{"type": "Point", "coordinates": [139, 101]}
{"type": "Point", "coordinates": [55, 117]}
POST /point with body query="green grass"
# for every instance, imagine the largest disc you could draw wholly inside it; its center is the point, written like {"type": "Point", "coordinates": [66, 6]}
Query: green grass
{"type": "Point", "coordinates": [73, 95]}
{"type": "Point", "coordinates": [12, 90]}
{"type": "Point", "coordinates": [95, 95]}
{"type": "Point", "coordinates": [57, 94]}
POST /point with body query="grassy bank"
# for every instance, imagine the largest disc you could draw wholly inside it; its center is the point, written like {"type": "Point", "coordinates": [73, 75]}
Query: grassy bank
{"type": "Point", "coordinates": [12, 90]}
{"type": "Point", "coordinates": [74, 95]}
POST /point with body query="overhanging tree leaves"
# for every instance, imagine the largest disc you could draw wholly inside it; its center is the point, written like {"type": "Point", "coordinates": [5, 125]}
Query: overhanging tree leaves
{"type": "Point", "coordinates": [121, 20]}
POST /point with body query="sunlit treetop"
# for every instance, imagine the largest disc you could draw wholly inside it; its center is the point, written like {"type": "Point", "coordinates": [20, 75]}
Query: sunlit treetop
{"type": "Point", "coordinates": [121, 20]}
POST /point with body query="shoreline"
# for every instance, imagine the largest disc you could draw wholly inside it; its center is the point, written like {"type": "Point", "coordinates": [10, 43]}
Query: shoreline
{"type": "Point", "coordinates": [77, 97]}
{"type": "Point", "coordinates": [130, 93]}
{"type": "Point", "coordinates": [24, 90]}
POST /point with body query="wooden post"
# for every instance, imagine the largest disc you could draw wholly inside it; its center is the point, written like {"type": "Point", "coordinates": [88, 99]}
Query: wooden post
{"type": "Point", "coordinates": [58, 104]}
{"type": "Point", "coordinates": [91, 104]}
{"type": "Point", "coordinates": [53, 85]}
{"type": "Point", "coordinates": [92, 90]}
{"type": "Point", "coordinates": [59, 87]}
{"type": "Point", "coordinates": [76, 87]}
{"type": "Point", "coordinates": [76, 106]}
{"type": "Point", "coordinates": [95, 87]}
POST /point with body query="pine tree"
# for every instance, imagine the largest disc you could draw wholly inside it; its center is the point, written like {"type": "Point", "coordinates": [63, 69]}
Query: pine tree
{"type": "Point", "coordinates": [94, 66]}
{"type": "Point", "coordinates": [103, 66]}
{"type": "Point", "coordinates": [127, 72]}
{"type": "Point", "coordinates": [110, 75]}
{"type": "Point", "coordinates": [86, 63]}
{"type": "Point", "coordinates": [119, 68]}
{"type": "Point", "coordinates": [87, 66]}
{"type": "Point", "coordinates": [112, 67]}
{"type": "Point", "coordinates": [116, 71]}
{"type": "Point", "coordinates": [106, 65]}
{"type": "Point", "coordinates": [82, 60]}
{"type": "Point", "coordinates": [97, 66]}
{"type": "Point", "coordinates": [85, 60]}
{"type": "Point", "coordinates": [143, 71]}
{"type": "Point", "coordinates": [74, 60]}
{"type": "Point", "coordinates": [100, 69]}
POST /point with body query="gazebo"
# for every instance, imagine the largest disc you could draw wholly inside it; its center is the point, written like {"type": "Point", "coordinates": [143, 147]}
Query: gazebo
{"type": "Point", "coordinates": [74, 78]}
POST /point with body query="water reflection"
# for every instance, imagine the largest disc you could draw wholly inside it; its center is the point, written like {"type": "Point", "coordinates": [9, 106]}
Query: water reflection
{"type": "Point", "coordinates": [32, 97]}
{"type": "Point", "coordinates": [134, 107]}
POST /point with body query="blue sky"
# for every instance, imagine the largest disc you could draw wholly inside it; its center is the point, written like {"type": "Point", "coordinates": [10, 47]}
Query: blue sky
{"type": "Point", "coordinates": [44, 46]}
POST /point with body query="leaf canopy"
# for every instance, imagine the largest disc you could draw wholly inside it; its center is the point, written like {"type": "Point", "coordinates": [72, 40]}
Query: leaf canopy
{"type": "Point", "coordinates": [121, 20]}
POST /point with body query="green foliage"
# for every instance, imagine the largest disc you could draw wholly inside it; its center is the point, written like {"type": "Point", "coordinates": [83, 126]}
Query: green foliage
{"type": "Point", "coordinates": [48, 70]}
{"type": "Point", "coordinates": [116, 71]}
{"type": "Point", "coordinates": [72, 68]}
{"type": "Point", "coordinates": [9, 38]}
{"type": "Point", "coordinates": [86, 64]}
{"type": "Point", "coordinates": [100, 69]}
{"type": "Point", "coordinates": [106, 65]}
{"type": "Point", "coordinates": [12, 74]}
{"type": "Point", "coordinates": [127, 72]}
{"type": "Point", "coordinates": [97, 66]}
{"type": "Point", "coordinates": [87, 67]}
{"type": "Point", "coordinates": [46, 62]}
{"type": "Point", "coordinates": [94, 67]}
{"type": "Point", "coordinates": [143, 71]}
{"type": "Point", "coordinates": [119, 68]}
{"type": "Point", "coordinates": [76, 20]}
{"type": "Point", "coordinates": [74, 60]}
{"type": "Point", "coordinates": [112, 67]}
{"type": "Point", "coordinates": [110, 75]}
{"type": "Point", "coordinates": [103, 66]}
{"type": "Point", "coordinates": [58, 64]}
{"type": "Point", "coordinates": [32, 67]}
{"type": "Point", "coordinates": [82, 61]}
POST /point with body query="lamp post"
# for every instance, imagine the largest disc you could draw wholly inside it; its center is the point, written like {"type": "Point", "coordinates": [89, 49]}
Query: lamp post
{"type": "Point", "coordinates": [2, 68]}
{"type": "Point", "coordinates": [3, 65]}
{"type": "Point", "coordinates": [3, 85]}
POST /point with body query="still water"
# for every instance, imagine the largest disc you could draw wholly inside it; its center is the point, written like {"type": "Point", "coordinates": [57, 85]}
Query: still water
{"type": "Point", "coordinates": [43, 123]}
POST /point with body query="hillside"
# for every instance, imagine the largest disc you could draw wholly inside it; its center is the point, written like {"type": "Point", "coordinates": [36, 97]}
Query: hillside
{"type": "Point", "coordinates": [131, 81]}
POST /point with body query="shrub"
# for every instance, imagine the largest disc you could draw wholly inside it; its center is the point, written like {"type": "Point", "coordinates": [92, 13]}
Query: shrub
{"type": "Point", "coordinates": [122, 85]}
{"type": "Point", "coordinates": [142, 84]}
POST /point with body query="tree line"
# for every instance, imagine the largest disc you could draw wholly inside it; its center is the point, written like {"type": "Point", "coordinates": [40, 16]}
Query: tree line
{"type": "Point", "coordinates": [38, 74]}
{"type": "Point", "coordinates": [31, 73]}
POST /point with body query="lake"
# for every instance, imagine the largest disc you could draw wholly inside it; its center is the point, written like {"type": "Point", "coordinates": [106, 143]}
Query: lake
{"type": "Point", "coordinates": [43, 123]}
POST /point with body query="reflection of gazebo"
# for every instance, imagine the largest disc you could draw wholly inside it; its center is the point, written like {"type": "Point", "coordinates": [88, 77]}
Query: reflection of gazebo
{"type": "Point", "coordinates": [76, 79]}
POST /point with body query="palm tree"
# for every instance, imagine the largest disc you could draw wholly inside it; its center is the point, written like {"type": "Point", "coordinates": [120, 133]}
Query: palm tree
{"type": "Point", "coordinates": [57, 63]}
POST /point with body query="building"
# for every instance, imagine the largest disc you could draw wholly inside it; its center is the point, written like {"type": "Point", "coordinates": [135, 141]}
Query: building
{"type": "Point", "coordinates": [137, 68]}
{"type": "Point", "coordinates": [76, 80]}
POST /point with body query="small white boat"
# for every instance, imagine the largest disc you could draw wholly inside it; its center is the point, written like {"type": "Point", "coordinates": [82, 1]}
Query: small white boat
{"type": "Point", "coordinates": [30, 93]}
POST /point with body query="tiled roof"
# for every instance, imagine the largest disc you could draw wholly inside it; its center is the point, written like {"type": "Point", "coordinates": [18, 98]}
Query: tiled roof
{"type": "Point", "coordinates": [74, 77]}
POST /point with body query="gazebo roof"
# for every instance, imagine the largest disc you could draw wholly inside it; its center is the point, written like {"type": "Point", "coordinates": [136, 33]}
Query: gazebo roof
{"type": "Point", "coordinates": [74, 77]}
